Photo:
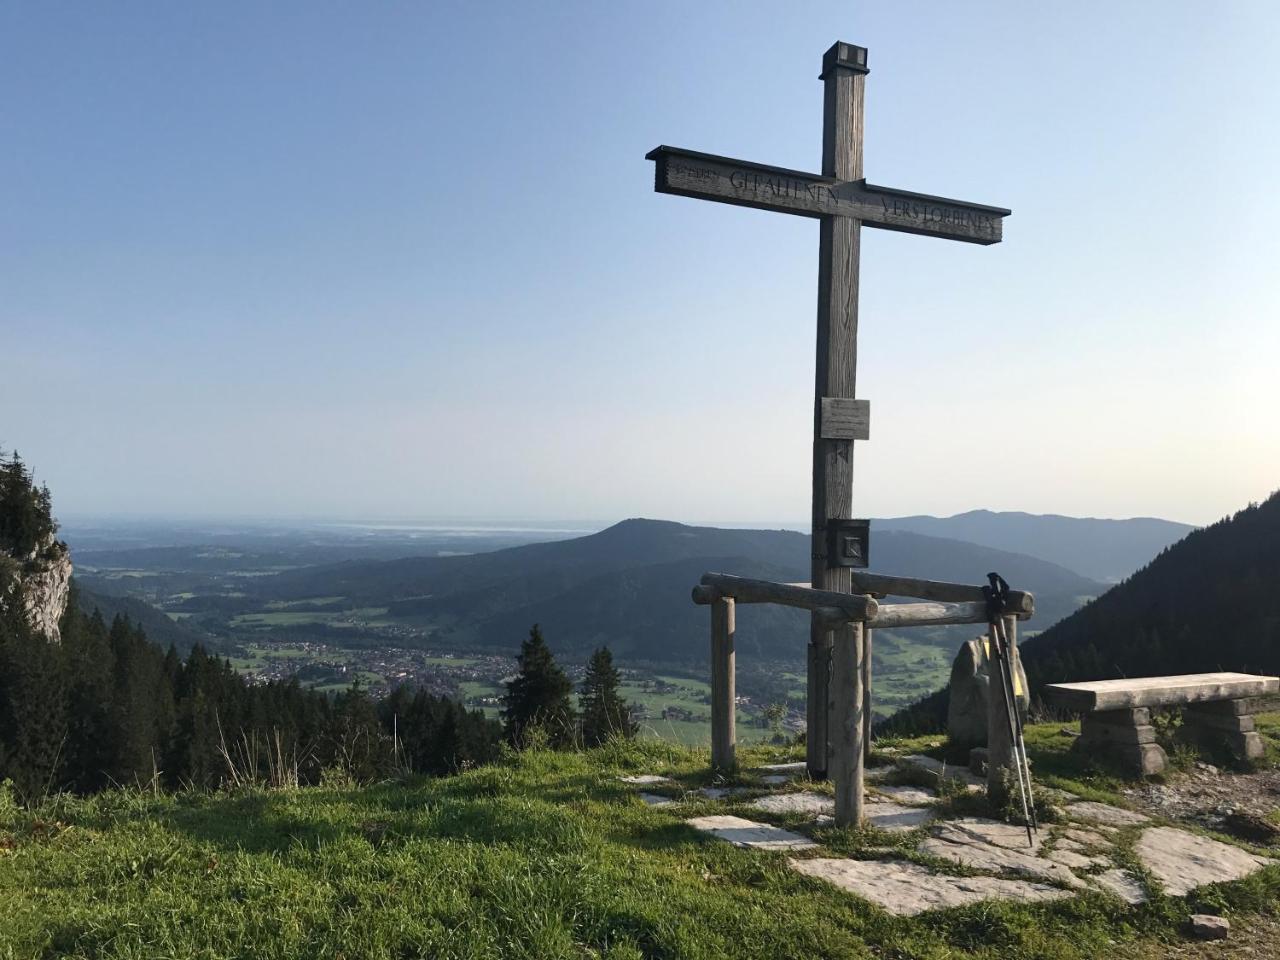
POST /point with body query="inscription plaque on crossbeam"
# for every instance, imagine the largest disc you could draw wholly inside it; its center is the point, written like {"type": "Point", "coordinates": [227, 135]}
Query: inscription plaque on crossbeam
{"type": "Point", "coordinates": [707, 177]}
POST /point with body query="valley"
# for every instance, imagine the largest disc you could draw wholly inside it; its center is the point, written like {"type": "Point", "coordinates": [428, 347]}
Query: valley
{"type": "Point", "coordinates": [445, 608]}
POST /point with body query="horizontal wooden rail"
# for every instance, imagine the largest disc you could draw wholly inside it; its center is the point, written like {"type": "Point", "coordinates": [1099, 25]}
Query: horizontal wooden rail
{"type": "Point", "coordinates": [1019, 604]}
{"type": "Point", "coordinates": [844, 606]}
{"type": "Point", "coordinates": [927, 614]}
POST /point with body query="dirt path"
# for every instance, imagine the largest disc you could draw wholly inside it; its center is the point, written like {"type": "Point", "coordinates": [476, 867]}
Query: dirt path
{"type": "Point", "coordinates": [1255, 938]}
{"type": "Point", "coordinates": [1240, 804]}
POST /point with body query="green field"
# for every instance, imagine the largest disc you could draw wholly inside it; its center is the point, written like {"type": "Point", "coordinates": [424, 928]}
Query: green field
{"type": "Point", "coordinates": [543, 856]}
{"type": "Point", "coordinates": [293, 618]}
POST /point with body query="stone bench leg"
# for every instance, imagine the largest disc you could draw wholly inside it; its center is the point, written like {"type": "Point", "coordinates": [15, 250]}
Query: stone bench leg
{"type": "Point", "coordinates": [1225, 724]}
{"type": "Point", "coordinates": [1124, 737]}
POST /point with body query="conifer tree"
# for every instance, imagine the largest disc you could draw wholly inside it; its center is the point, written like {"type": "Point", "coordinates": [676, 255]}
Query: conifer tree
{"type": "Point", "coordinates": [538, 696]}
{"type": "Point", "coordinates": [604, 713]}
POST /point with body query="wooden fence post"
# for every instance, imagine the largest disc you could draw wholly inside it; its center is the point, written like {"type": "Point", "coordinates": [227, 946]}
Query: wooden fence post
{"type": "Point", "coordinates": [723, 684]}
{"type": "Point", "coordinates": [847, 722]}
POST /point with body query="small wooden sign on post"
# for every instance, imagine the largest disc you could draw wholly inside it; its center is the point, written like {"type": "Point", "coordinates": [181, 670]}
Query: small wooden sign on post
{"type": "Point", "coordinates": [842, 201]}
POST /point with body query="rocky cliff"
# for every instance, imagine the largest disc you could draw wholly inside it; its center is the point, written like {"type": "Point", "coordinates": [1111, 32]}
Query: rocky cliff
{"type": "Point", "coordinates": [38, 584]}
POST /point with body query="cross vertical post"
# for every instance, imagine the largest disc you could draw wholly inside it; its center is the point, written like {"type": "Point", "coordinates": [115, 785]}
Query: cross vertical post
{"type": "Point", "coordinates": [844, 71]}
{"type": "Point", "coordinates": [843, 202]}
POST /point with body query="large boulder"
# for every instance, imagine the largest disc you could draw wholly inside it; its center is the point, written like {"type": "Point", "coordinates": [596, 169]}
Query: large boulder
{"type": "Point", "coordinates": [970, 679]}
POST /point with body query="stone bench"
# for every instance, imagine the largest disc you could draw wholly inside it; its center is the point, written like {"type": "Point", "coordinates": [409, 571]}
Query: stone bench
{"type": "Point", "coordinates": [1218, 711]}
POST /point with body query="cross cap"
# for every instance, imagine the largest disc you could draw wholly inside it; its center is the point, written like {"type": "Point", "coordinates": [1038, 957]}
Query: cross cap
{"type": "Point", "coordinates": [844, 56]}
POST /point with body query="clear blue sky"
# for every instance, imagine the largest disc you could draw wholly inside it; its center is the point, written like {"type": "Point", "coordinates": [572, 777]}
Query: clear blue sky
{"type": "Point", "coordinates": [395, 259]}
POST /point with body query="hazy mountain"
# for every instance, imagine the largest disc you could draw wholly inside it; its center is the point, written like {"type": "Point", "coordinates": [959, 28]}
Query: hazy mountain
{"type": "Point", "coordinates": [628, 585]}
{"type": "Point", "coordinates": [1106, 550]}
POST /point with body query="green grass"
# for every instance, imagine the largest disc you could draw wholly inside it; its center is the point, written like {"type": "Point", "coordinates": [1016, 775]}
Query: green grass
{"type": "Point", "coordinates": [545, 855]}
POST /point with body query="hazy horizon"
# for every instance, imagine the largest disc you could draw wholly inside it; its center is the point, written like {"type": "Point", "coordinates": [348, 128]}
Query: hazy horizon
{"type": "Point", "coordinates": [552, 524]}
{"type": "Point", "coordinates": [299, 260]}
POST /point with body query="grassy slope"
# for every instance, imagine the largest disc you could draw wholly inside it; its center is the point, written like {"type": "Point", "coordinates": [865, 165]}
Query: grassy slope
{"type": "Point", "coordinates": [544, 856]}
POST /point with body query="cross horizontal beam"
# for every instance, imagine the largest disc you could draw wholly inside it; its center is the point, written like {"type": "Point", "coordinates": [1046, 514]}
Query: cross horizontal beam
{"type": "Point", "coordinates": [709, 177]}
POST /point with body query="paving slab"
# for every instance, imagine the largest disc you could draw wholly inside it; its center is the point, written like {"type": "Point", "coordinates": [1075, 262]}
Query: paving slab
{"type": "Point", "coordinates": [948, 771]}
{"type": "Point", "coordinates": [748, 833]}
{"type": "Point", "coordinates": [656, 800]}
{"type": "Point", "coordinates": [962, 847]}
{"type": "Point", "coordinates": [796, 769]}
{"type": "Point", "coordinates": [1087, 838]}
{"type": "Point", "coordinates": [1095, 813]}
{"type": "Point", "coordinates": [895, 818]}
{"type": "Point", "coordinates": [720, 793]}
{"type": "Point", "coordinates": [997, 832]}
{"type": "Point", "coordinates": [906, 889]}
{"type": "Point", "coordinates": [1076, 861]}
{"type": "Point", "coordinates": [776, 779]}
{"type": "Point", "coordinates": [1123, 884]}
{"type": "Point", "coordinates": [912, 796]}
{"type": "Point", "coordinates": [645, 779]}
{"type": "Point", "coordinates": [806, 802]}
{"type": "Point", "coordinates": [1182, 861]}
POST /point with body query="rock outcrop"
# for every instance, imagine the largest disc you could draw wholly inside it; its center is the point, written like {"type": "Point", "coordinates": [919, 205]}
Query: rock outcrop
{"type": "Point", "coordinates": [38, 585]}
{"type": "Point", "coordinates": [967, 708]}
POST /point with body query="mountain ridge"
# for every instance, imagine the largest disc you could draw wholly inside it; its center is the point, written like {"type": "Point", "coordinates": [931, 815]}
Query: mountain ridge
{"type": "Point", "coordinates": [1107, 550]}
{"type": "Point", "coordinates": [628, 586]}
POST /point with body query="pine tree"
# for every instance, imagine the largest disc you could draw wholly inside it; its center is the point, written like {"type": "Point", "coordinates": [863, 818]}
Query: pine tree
{"type": "Point", "coordinates": [604, 713]}
{"type": "Point", "coordinates": [538, 696]}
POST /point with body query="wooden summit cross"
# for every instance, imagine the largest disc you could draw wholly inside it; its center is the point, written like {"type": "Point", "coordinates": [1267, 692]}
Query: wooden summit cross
{"type": "Point", "coordinates": [842, 201]}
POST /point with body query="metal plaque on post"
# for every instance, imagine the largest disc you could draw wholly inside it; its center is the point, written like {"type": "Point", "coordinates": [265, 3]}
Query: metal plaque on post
{"type": "Point", "coordinates": [848, 543]}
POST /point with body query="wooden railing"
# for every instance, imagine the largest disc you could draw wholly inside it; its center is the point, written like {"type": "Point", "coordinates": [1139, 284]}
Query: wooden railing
{"type": "Point", "coordinates": [851, 618]}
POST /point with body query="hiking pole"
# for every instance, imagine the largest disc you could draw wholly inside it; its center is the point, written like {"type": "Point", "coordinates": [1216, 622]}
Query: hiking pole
{"type": "Point", "coordinates": [996, 594]}
{"type": "Point", "coordinates": [1020, 744]}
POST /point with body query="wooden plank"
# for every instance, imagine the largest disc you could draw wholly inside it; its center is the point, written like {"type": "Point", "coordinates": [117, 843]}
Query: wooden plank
{"type": "Point", "coordinates": [847, 722]}
{"type": "Point", "coordinates": [746, 590]}
{"type": "Point", "coordinates": [705, 176]}
{"type": "Point", "coordinates": [927, 614]}
{"type": "Point", "coordinates": [1020, 603]}
{"type": "Point", "coordinates": [1160, 691]}
{"type": "Point", "coordinates": [842, 418]}
{"type": "Point", "coordinates": [723, 686]}
{"type": "Point", "coordinates": [835, 370]}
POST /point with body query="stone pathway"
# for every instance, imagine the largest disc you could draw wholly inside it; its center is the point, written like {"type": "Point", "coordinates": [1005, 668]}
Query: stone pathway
{"type": "Point", "coordinates": [1091, 812]}
{"type": "Point", "coordinates": [906, 889]}
{"type": "Point", "coordinates": [748, 833]}
{"type": "Point", "coordinates": [807, 802]}
{"type": "Point", "coordinates": [943, 770]}
{"type": "Point", "coordinates": [1182, 861]}
{"type": "Point", "coordinates": [963, 842]}
{"type": "Point", "coordinates": [1062, 860]}
{"type": "Point", "coordinates": [1122, 884]}
{"type": "Point", "coordinates": [911, 796]}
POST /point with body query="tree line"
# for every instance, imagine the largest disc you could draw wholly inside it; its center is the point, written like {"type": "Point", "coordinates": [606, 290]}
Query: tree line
{"type": "Point", "coordinates": [106, 707]}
